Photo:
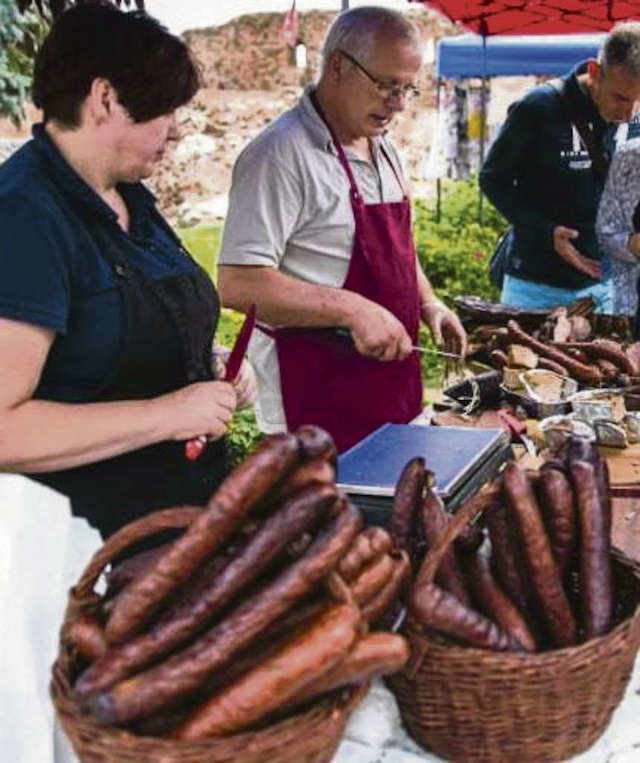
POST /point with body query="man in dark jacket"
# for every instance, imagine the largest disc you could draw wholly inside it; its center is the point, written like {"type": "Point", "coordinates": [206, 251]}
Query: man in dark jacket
{"type": "Point", "coordinates": [545, 173]}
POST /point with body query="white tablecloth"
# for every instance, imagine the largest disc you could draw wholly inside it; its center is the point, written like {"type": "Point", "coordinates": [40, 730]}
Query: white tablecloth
{"type": "Point", "coordinates": [43, 550]}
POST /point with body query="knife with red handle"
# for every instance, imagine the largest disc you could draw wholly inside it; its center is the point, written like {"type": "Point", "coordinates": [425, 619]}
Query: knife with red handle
{"type": "Point", "coordinates": [194, 447]}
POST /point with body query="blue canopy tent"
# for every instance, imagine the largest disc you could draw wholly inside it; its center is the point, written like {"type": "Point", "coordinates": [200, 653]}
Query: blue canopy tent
{"type": "Point", "coordinates": [471, 55]}
{"type": "Point", "coordinates": [474, 56]}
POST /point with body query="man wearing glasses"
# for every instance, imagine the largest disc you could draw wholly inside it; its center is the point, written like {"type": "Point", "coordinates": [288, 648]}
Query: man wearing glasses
{"type": "Point", "coordinates": [318, 235]}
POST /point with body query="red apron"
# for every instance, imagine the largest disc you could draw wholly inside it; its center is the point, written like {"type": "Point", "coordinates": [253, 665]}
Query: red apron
{"type": "Point", "coordinates": [324, 380]}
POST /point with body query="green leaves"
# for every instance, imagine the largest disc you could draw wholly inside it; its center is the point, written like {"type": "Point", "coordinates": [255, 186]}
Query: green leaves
{"type": "Point", "coordinates": [454, 252]}
{"type": "Point", "coordinates": [19, 38]}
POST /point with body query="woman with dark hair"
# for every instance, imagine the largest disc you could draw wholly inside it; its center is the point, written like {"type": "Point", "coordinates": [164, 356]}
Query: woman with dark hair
{"type": "Point", "coordinates": [106, 323]}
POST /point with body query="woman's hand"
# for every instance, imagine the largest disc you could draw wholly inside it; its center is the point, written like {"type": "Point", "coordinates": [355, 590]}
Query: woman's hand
{"type": "Point", "coordinates": [246, 385]}
{"type": "Point", "coordinates": [203, 408]}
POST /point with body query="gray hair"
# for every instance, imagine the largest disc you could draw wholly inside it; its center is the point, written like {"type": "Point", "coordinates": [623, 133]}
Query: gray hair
{"type": "Point", "coordinates": [355, 31]}
{"type": "Point", "coordinates": [622, 48]}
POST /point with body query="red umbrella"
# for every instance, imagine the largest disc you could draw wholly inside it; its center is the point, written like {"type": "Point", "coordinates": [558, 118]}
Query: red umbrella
{"type": "Point", "coordinates": [536, 16]}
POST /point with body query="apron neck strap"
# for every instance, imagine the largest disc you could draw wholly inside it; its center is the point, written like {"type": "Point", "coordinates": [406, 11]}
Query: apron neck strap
{"type": "Point", "coordinates": [342, 157]}
{"type": "Point", "coordinates": [398, 176]}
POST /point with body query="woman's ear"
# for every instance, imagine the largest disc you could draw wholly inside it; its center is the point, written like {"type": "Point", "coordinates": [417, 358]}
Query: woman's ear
{"type": "Point", "coordinates": [101, 100]}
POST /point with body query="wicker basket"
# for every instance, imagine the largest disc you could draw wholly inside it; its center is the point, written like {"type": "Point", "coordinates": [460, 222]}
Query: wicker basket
{"type": "Point", "coordinates": [468, 704]}
{"type": "Point", "coordinates": [310, 736]}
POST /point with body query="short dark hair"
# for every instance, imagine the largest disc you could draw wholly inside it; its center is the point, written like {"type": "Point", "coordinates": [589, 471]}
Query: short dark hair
{"type": "Point", "coordinates": [622, 48]}
{"type": "Point", "coordinates": [152, 70]}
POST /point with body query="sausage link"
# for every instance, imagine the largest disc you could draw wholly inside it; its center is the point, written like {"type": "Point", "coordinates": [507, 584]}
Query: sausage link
{"type": "Point", "coordinates": [406, 502]}
{"type": "Point", "coordinates": [493, 602]}
{"type": "Point", "coordinates": [183, 673]}
{"type": "Point", "coordinates": [504, 556]}
{"type": "Point", "coordinates": [265, 688]}
{"type": "Point", "coordinates": [372, 578]}
{"type": "Point", "coordinates": [382, 602]}
{"type": "Point", "coordinates": [439, 610]}
{"type": "Point", "coordinates": [579, 371]}
{"type": "Point", "coordinates": [596, 576]}
{"type": "Point", "coordinates": [609, 370]}
{"type": "Point", "coordinates": [191, 613]}
{"type": "Point", "coordinates": [376, 654]}
{"type": "Point", "coordinates": [121, 574]}
{"type": "Point", "coordinates": [316, 443]}
{"type": "Point", "coordinates": [603, 349]}
{"type": "Point", "coordinates": [275, 456]}
{"type": "Point", "coordinates": [435, 520]}
{"type": "Point", "coordinates": [86, 637]}
{"type": "Point", "coordinates": [551, 365]}
{"type": "Point", "coordinates": [545, 579]}
{"type": "Point", "coordinates": [559, 515]}
{"type": "Point", "coordinates": [369, 544]}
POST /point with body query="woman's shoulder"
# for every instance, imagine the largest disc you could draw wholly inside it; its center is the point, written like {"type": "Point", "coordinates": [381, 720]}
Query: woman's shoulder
{"type": "Point", "coordinates": [24, 181]}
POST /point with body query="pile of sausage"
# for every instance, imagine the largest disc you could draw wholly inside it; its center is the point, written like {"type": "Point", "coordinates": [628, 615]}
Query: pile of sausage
{"type": "Point", "coordinates": [534, 573]}
{"type": "Point", "coordinates": [261, 605]}
{"type": "Point", "coordinates": [593, 363]}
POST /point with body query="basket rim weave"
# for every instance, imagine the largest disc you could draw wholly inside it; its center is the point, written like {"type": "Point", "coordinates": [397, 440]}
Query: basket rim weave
{"type": "Point", "coordinates": [328, 715]}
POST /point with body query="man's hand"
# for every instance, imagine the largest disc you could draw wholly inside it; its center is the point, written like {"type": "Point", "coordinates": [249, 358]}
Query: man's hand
{"type": "Point", "coordinates": [377, 333]}
{"type": "Point", "coordinates": [445, 327]}
{"type": "Point", "coordinates": [633, 244]}
{"type": "Point", "coordinates": [562, 238]}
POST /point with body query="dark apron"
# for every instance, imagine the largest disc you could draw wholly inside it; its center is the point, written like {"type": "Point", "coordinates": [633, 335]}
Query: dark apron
{"type": "Point", "coordinates": [324, 380]}
{"type": "Point", "coordinates": [168, 331]}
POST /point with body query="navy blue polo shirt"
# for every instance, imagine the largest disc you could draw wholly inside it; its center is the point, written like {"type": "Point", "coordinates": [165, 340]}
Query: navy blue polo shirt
{"type": "Point", "coordinates": [52, 272]}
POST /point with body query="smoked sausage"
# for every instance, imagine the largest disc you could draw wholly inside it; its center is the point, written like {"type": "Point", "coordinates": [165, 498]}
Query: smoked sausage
{"type": "Point", "coordinates": [546, 584]}
{"type": "Point", "coordinates": [275, 456]}
{"type": "Point", "coordinates": [439, 610]}
{"type": "Point", "coordinates": [183, 673]}
{"type": "Point", "coordinates": [406, 502]}
{"type": "Point", "coordinates": [319, 648]}
{"type": "Point", "coordinates": [596, 576]}
{"type": "Point", "coordinates": [192, 613]}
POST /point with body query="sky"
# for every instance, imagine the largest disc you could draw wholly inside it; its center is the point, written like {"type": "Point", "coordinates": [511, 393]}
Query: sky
{"type": "Point", "coordinates": [179, 15]}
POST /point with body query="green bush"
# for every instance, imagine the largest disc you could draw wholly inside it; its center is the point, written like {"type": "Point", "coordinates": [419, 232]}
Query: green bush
{"type": "Point", "coordinates": [454, 252]}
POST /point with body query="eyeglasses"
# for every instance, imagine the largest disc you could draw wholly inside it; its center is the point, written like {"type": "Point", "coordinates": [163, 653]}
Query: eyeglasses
{"type": "Point", "coordinates": [384, 89]}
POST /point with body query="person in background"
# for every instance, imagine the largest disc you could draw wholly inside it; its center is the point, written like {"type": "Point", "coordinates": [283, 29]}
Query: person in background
{"type": "Point", "coordinates": [547, 183]}
{"type": "Point", "coordinates": [106, 322]}
{"type": "Point", "coordinates": [318, 235]}
{"type": "Point", "coordinates": [618, 226]}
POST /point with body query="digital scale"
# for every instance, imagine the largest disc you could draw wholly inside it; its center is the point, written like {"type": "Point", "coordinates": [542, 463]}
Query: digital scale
{"type": "Point", "coordinates": [461, 458]}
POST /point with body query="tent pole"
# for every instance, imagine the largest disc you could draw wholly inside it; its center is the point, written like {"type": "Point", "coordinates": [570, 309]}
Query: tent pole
{"type": "Point", "coordinates": [483, 118]}
{"type": "Point", "coordinates": [438, 179]}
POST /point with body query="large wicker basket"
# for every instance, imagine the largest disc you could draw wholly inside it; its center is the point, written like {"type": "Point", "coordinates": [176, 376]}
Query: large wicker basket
{"type": "Point", "coordinates": [310, 736]}
{"type": "Point", "coordinates": [469, 704]}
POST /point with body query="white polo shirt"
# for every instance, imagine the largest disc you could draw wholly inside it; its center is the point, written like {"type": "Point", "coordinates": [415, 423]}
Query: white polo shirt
{"type": "Point", "coordinates": [289, 208]}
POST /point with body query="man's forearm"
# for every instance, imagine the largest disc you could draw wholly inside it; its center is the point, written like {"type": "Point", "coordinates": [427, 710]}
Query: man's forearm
{"type": "Point", "coordinates": [425, 290]}
{"type": "Point", "coordinates": [282, 300]}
